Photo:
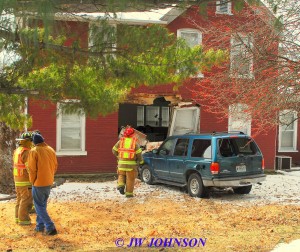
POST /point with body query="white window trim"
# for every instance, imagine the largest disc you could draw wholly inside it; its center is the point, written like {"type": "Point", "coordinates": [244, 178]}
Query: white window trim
{"type": "Point", "coordinates": [179, 31]}
{"type": "Point", "coordinates": [294, 148]}
{"type": "Point", "coordinates": [229, 8]}
{"type": "Point", "coordinates": [230, 120]}
{"type": "Point", "coordinates": [60, 152]}
{"type": "Point", "coordinates": [250, 75]}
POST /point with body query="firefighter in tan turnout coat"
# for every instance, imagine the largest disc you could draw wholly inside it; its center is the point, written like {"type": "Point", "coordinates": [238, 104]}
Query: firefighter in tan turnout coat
{"type": "Point", "coordinates": [21, 177]}
{"type": "Point", "coordinates": [129, 156]}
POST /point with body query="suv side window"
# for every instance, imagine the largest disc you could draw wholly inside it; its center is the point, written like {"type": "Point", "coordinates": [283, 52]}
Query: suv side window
{"type": "Point", "coordinates": [181, 147]}
{"type": "Point", "coordinates": [201, 148]}
{"type": "Point", "coordinates": [167, 147]}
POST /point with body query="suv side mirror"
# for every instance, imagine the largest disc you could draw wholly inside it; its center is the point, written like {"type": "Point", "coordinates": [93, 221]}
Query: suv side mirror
{"type": "Point", "coordinates": [163, 152]}
{"type": "Point", "coordinates": [155, 151]}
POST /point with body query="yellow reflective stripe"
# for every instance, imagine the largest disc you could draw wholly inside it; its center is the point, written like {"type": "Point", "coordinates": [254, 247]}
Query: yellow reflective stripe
{"type": "Point", "coordinates": [25, 183]}
{"type": "Point", "coordinates": [142, 162]}
{"type": "Point", "coordinates": [24, 222]}
{"type": "Point", "coordinates": [138, 151]}
{"type": "Point", "coordinates": [125, 169]}
{"type": "Point", "coordinates": [129, 162]}
{"type": "Point", "coordinates": [115, 148]}
{"type": "Point", "coordinates": [128, 193]}
{"type": "Point", "coordinates": [127, 143]}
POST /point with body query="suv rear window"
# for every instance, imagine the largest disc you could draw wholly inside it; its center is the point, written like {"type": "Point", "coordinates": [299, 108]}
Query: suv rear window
{"type": "Point", "coordinates": [229, 147]}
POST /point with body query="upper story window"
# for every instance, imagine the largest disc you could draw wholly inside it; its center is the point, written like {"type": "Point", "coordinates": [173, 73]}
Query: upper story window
{"type": "Point", "coordinates": [287, 131]}
{"type": "Point", "coordinates": [102, 38]}
{"type": "Point", "coordinates": [192, 37]}
{"type": "Point", "coordinates": [70, 132]}
{"type": "Point", "coordinates": [223, 7]}
{"type": "Point", "coordinates": [239, 119]}
{"type": "Point", "coordinates": [241, 56]}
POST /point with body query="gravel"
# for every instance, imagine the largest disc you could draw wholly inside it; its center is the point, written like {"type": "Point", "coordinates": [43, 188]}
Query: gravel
{"type": "Point", "coordinates": [281, 188]}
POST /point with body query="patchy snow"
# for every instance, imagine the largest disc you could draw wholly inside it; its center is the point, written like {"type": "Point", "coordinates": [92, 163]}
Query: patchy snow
{"type": "Point", "coordinates": [282, 188]}
{"type": "Point", "coordinates": [293, 246]}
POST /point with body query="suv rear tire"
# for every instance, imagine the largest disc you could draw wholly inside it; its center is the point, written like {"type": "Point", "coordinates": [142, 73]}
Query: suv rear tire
{"type": "Point", "coordinates": [146, 175]}
{"type": "Point", "coordinates": [243, 189]}
{"type": "Point", "coordinates": [195, 186]}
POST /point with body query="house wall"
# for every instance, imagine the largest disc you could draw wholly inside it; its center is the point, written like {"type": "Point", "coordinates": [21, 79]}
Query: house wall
{"type": "Point", "coordinates": [101, 135]}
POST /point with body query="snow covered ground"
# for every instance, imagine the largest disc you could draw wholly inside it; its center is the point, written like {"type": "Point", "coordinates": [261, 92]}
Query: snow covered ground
{"type": "Point", "coordinates": [282, 188]}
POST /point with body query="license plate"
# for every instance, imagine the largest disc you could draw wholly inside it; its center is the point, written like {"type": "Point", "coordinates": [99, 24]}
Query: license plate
{"type": "Point", "coordinates": [241, 168]}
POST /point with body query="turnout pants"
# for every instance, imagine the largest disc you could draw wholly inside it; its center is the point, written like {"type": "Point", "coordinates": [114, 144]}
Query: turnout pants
{"type": "Point", "coordinates": [127, 179]}
{"type": "Point", "coordinates": [23, 205]}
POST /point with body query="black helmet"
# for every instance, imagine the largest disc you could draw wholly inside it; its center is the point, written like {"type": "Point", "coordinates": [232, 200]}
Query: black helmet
{"type": "Point", "coordinates": [25, 136]}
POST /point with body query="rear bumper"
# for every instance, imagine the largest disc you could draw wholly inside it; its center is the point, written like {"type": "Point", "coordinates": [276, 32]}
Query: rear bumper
{"type": "Point", "coordinates": [234, 182]}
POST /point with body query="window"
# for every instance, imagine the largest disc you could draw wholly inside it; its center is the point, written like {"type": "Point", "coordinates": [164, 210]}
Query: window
{"type": "Point", "coordinates": [102, 38]}
{"type": "Point", "coordinates": [239, 119]}
{"type": "Point", "coordinates": [223, 7]}
{"type": "Point", "coordinates": [154, 116]}
{"type": "Point", "coordinates": [288, 131]}
{"type": "Point", "coordinates": [167, 147]}
{"type": "Point", "coordinates": [241, 57]}
{"type": "Point", "coordinates": [201, 148]}
{"type": "Point", "coordinates": [192, 37]}
{"type": "Point", "coordinates": [70, 132]}
{"type": "Point", "coordinates": [229, 147]}
{"type": "Point", "coordinates": [181, 147]}
{"type": "Point", "coordinates": [140, 116]}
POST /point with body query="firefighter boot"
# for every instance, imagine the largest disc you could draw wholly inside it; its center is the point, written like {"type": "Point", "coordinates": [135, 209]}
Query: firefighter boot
{"type": "Point", "coordinates": [121, 189]}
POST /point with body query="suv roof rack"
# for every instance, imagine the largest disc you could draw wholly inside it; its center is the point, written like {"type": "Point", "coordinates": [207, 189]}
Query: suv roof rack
{"type": "Point", "coordinates": [227, 132]}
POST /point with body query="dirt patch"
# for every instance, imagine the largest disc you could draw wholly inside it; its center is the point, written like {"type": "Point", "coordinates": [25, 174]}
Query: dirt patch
{"type": "Point", "coordinates": [97, 226]}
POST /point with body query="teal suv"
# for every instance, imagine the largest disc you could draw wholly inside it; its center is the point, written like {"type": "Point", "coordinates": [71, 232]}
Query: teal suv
{"type": "Point", "coordinates": [200, 162]}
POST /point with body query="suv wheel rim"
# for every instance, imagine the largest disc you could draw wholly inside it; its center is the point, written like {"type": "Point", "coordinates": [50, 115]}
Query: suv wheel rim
{"type": "Point", "coordinates": [194, 186]}
{"type": "Point", "coordinates": [146, 175]}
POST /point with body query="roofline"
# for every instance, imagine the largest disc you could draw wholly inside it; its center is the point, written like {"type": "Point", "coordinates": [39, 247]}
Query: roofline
{"type": "Point", "coordinates": [87, 18]}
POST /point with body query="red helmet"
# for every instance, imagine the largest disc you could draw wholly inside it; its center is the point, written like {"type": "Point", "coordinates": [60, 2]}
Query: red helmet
{"type": "Point", "coordinates": [128, 132]}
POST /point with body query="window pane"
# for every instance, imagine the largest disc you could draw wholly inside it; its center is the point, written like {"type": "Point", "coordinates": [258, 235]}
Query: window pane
{"type": "Point", "coordinates": [224, 6]}
{"type": "Point", "coordinates": [165, 117]}
{"type": "Point", "coordinates": [288, 121]}
{"type": "Point", "coordinates": [70, 139]}
{"type": "Point", "coordinates": [140, 116]}
{"type": "Point", "coordinates": [191, 38]}
{"type": "Point", "coordinates": [181, 147]}
{"type": "Point", "coordinates": [152, 116]}
{"type": "Point", "coordinates": [201, 148]}
{"type": "Point", "coordinates": [167, 146]}
{"type": "Point", "coordinates": [70, 131]}
{"type": "Point", "coordinates": [287, 139]}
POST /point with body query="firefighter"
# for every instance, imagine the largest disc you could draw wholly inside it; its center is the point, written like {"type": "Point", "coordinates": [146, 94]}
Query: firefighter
{"type": "Point", "coordinates": [129, 155]}
{"type": "Point", "coordinates": [21, 177]}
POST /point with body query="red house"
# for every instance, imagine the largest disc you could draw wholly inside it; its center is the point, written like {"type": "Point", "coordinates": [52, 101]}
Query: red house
{"type": "Point", "coordinates": [83, 145]}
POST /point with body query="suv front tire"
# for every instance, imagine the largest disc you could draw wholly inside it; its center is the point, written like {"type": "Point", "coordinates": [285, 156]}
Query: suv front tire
{"type": "Point", "coordinates": [146, 175]}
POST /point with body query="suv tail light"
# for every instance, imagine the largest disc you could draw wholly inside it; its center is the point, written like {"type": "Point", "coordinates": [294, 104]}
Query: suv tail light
{"type": "Point", "coordinates": [263, 163]}
{"type": "Point", "coordinates": [214, 168]}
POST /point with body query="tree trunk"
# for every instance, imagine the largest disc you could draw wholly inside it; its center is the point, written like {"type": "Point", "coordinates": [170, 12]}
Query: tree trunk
{"type": "Point", "coordinates": [8, 145]}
